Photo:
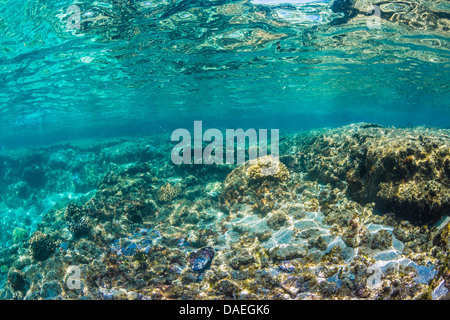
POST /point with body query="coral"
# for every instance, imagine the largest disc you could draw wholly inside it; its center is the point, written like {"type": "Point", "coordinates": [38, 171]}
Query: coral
{"type": "Point", "coordinates": [267, 167]}
{"type": "Point", "coordinates": [41, 246]}
{"type": "Point", "coordinates": [77, 221]}
{"type": "Point", "coordinates": [263, 206]}
{"type": "Point", "coordinates": [19, 234]}
{"type": "Point", "coordinates": [80, 227]}
{"type": "Point", "coordinates": [167, 192]}
{"type": "Point", "coordinates": [355, 233]}
{"type": "Point", "coordinates": [73, 212]}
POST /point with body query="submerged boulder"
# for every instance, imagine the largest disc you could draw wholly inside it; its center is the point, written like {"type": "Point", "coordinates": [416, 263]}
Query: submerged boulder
{"type": "Point", "coordinates": [406, 171]}
{"type": "Point", "coordinates": [258, 183]}
{"type": "Point", "coordinates": [17, 280]}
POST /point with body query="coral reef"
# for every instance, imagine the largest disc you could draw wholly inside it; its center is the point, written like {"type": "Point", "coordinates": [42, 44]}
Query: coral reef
{"type": "Point", "coordinates": [152, 230]}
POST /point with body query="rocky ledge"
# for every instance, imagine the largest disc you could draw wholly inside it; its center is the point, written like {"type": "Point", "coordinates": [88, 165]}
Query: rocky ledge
{"type": "Point", "coordinates": [403, 170]}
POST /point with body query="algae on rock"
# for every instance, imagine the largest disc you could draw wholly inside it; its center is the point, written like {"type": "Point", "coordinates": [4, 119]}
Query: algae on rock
{"type": "Point", "coordinates": [401, 170]}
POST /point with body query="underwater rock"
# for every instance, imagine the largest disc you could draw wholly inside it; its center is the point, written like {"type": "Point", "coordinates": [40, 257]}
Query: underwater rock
{"type": "Point", "coordinates": [124, 194]}
{"type": "Point", "coordinates": [442, 238]}
{"type": "Point", "coordinates": [318, 243]}
{"type": "Point", "coordinates": [189, 276]}
{"type": "Point", "coordinates": [34, 175]}
{"type": "Point", "coordinates": [120, 294]}
{"type": "Point", "coordinates": [201, 260]}
{"type": "Point", "coordinates": [241, 259]}
{"type": "Point", "coordinates": [287, 252]}
{"type": "Point", "coordinates": [258, 183]}
{"type": "Point", "coordinates": [50, 290]}
{"type": "Point", "coordinates": [306, 282]}
{"type": "Point", "coordinates": [17, 280]}
{"type": "Point", "coordinates": [400, 170]}
{"type": "Point", "coordinates": [197, 238]}
{"type": "Point", "coordinates": [133, 295]}
{"type": "Point", "coordinates": [382, 240]}
{"type": "Point", "coordinates": [227, 288]}
{"type": "Point", "coordinates": [141, 210]}
{"type": "Point", "coordinates": [277, 220]}
{"type": "Point", "coordinates": [286, 266]}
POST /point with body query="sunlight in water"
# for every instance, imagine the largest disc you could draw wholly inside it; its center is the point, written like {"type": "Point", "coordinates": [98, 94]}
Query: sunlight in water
{"type": "Point", "coordinates": [224, 150]}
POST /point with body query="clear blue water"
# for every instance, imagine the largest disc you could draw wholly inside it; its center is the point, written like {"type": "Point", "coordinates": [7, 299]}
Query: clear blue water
{"type": "Point", "coordinates": [155, 65]}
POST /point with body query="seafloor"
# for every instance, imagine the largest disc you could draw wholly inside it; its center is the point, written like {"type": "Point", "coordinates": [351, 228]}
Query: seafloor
{"type": "Point", "coordinates": [356, 212]}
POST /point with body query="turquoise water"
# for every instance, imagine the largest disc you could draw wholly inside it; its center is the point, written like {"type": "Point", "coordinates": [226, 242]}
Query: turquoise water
{"type": "Point", "coordinates": [161, 64]}
{"type": "Point", "coordinates": [93, 87]}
